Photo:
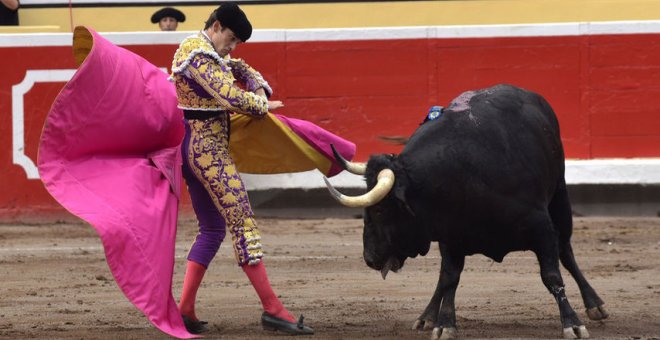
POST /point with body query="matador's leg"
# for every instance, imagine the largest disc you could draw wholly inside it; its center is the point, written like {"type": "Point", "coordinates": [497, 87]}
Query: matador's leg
{"type": "Point", "coordinates": [212, 163]}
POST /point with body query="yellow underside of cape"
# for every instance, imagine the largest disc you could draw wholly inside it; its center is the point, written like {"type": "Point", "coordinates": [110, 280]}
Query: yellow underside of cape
{"type": "Point", "coordinates": [268, 146]}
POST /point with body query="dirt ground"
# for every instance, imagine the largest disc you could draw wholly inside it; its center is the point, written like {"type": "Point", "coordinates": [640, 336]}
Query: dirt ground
{"type": "Point", "coordinates": [54, 284]}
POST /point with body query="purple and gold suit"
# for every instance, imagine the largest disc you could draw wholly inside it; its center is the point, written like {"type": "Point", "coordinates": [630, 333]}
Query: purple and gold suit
{"type": "Point", "coordinates": [206, 92]}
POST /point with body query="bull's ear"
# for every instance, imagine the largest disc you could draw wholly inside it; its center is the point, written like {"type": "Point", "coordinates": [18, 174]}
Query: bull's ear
{"type": "Point", "coordinates": [400, 194]}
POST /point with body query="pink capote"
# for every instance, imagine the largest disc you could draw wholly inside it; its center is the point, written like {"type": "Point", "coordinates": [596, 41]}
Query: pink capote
{"type": "Point", "coordinates": [320, 140]}
{"type": "Point", "coordinates": [109, 153]}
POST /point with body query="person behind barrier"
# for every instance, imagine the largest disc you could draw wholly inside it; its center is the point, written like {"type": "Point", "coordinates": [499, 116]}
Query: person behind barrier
{"type": "Point", "coordinates": [168, 18]}
{"type": "Point", "coordinates": [204, 79]}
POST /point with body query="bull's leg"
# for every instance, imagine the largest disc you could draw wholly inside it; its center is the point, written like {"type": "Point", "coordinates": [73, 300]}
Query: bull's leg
{"type": "Point", "coordinates": [561, 214]}
{"type": "Point", "coordinates": [593, 303]}
{"type": "Point", "coordinates": [450, 274]}
{"type": "Point", "coordinates": [440, 313]}
{"type": "Point", "coordinates": [426, 321]}
{"type": "Point", "coordinates": [547, 254]}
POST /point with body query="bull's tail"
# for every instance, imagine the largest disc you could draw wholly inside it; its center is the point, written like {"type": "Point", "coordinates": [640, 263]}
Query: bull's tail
{"type": "Point", "coordinates": [561, 212]}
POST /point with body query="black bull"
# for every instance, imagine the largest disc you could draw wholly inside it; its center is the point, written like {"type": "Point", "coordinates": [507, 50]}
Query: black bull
{"type": "Point", "coordinates": [485, 177]}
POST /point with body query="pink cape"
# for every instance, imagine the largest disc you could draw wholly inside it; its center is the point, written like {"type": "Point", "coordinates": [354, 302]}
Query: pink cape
{"type": "Point", "coordinates": [109, 153]}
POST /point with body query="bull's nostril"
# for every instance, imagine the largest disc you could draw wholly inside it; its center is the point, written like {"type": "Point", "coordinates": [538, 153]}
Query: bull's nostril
{"type": "Point", "coordinates": [369, 263]}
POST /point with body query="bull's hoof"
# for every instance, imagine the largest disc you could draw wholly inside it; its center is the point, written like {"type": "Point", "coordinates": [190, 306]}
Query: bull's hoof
{"type": "Point", "coordinates": [597, 313]}
{"type": "Point", "coordinates": [576, 332]}
{"type": "Point", "coordinates": [444, 333]}
{"type": "Point", "coordinates": [422, 325]}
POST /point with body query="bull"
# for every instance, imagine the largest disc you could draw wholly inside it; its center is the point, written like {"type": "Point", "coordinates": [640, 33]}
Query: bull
{"type": "Point", "coordinates": [485, 177]}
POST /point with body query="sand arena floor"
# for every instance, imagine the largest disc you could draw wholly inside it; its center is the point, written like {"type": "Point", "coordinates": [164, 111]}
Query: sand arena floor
{"type": "Point", "coordinates": [55, 284]}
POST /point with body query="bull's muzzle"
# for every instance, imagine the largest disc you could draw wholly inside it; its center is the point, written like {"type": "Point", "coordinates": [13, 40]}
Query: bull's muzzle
{"type": "Point", "coordinates": [375, 195]}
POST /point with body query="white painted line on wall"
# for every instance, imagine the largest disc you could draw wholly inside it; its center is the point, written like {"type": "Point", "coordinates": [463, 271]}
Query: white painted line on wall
{"type": "Point", "coordinates": [368, 33]}
{"type": "Point", "coordinates": [374, 33]}
{"type": "Point", "coordinates": [613, 171]}
{"type": "Point", "coordinates": [35, 39]}
{"type": "Point", "coordinates": [644, 171]}
{"type": "Point", "coordinates": [514, 30]}
{"type": "Point", "coordinates": [18, 92]}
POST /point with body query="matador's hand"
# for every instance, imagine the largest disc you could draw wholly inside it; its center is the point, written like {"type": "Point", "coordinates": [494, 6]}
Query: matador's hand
{"type": "Point", "coordinates": [274, 104]}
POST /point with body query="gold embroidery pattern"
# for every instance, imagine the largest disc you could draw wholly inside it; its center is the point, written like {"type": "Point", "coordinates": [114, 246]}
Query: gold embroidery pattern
{"type": "Point", "coordinates": [190, 47]}
{"type": "Point", "coordinates": [204, 80]}
{"type": "Point", "coordinates": [220, 85]}
{"type": "Point", "coordinates": [252, 79]}
{"type": "Point", "coordinates": [209, 158]}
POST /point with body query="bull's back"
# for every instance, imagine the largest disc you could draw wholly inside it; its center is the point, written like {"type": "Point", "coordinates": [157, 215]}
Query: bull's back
{"type": "Point", "coordinates": [491, 150]}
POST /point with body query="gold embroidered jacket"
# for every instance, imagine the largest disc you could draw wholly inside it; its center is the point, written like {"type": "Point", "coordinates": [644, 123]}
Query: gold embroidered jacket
{"type": "Point", "coordinates": [205, 81]}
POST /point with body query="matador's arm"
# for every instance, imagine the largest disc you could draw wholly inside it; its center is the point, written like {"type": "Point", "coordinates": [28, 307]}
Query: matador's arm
{"type": "Point", "coordinates": [249, 76]}
{"type": "Point", "coordinates": [210, 76]}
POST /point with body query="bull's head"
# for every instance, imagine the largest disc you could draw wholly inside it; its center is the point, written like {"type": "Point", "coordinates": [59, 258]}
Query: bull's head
{"type": "Point", "coordinates": [389, 227]}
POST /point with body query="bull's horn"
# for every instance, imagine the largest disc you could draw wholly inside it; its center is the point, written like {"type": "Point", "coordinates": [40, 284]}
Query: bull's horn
{"type": "Point", "coordinates": [384, 185]}
{"type": "Point", "coordinates": [397, 140]}
{"type": "Point", "coordinates": [354, 168]}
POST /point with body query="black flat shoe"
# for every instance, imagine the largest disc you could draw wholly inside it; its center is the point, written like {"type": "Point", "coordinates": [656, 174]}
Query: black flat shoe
{"type": "Point", "coordinates": [195, 327]}
{"type": "Point", "coordinates": [272, 323]}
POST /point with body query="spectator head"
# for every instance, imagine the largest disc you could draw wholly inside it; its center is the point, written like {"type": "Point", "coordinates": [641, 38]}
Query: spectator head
{"type": "Point", "coordinates": [168, 18]}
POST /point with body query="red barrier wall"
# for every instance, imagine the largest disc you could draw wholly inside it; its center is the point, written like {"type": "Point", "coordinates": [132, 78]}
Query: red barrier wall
{"type": "Point", "coordinates": [605, 90]}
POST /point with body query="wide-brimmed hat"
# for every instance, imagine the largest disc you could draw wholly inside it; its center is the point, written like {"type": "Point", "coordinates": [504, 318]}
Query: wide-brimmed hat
{"type": "Point", "coordinates": [168, 12]}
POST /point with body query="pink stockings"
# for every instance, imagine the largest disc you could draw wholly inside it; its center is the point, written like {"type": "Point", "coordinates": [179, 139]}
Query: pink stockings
{"type": "Point", "coordinates": [258, 277]}
{"type": "Point", "coordinates": [269, 301]}
{"type": "Point", "coordinates": [191, 281]}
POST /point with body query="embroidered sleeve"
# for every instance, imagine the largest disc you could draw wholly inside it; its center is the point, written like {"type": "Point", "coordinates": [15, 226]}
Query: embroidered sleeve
{"type": "Point", "coordinates": [249, 76]}
{"type": "Point", "coordinates": [210, 76]}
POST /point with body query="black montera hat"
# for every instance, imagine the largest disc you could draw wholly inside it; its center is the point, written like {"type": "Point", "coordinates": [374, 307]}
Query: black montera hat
{"type": "Point", "coordinates": [232, 17]}
{"type": "Point", "coordinates": [168, 12]}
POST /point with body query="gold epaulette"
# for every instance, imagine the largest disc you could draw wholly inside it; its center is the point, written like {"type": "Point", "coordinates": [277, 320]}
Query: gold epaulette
{"type": "Point", "coordinates": [189, 48]}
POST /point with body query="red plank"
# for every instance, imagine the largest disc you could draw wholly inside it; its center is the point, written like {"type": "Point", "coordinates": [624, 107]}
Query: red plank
{"type": "Point", "coordinates": [625, 146]}
{"type": "Point", "coordinates": [372, 68]}
{"type": "Point", "coordinates": [638, 123]}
